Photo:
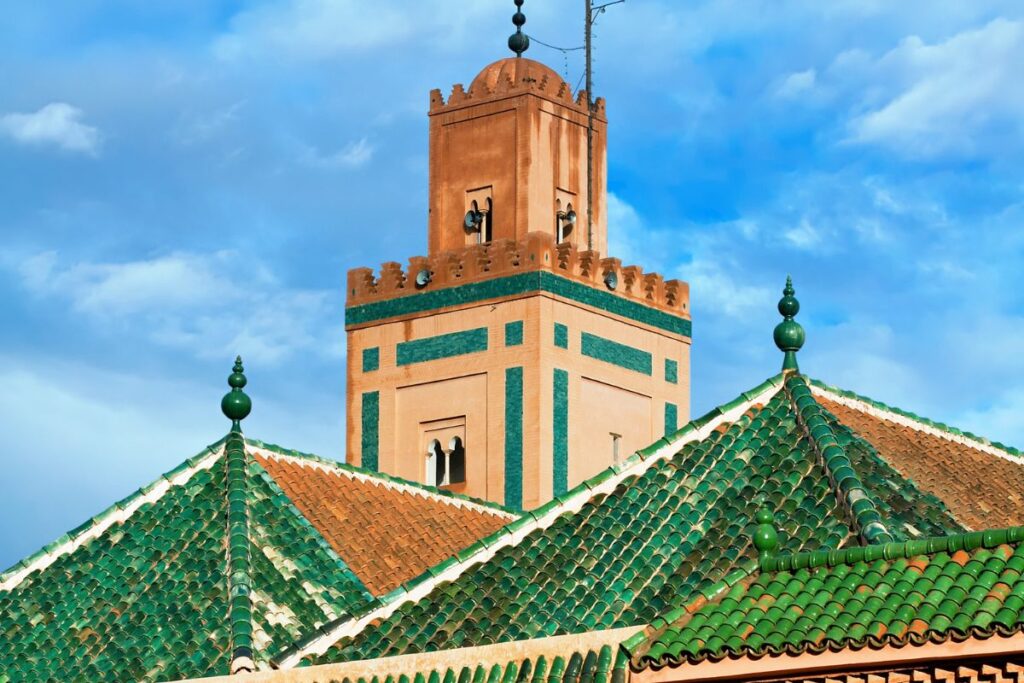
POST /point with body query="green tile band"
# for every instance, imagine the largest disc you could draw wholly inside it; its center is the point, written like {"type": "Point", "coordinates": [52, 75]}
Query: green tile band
{"type": "Point", "coordinates": [671, 371]}
{"type": "Point", "coordinates": [514, 438]}
{"type": "Point", "coordinates": [370, 453]}
{"type": "Point", "coordinates": [514, 333]}
{"type": "Point", "coordinates": [522, 283]}
{"type": "Point", "coordinates": [615, 353]}
{"type": "Point", "coordinates": [560, 450]}
{"type": "Point", "coordinates": [442, 346]}
{"type": "Point", "coordinates": [671, 418]}
{"type": "Point", "coordinates": [561, 336]}
{"type": "Point", "coordinates": [371, 359]}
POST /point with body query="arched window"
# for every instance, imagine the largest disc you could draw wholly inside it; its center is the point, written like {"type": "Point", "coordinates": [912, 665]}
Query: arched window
{"type": "Point", "coordinates": [487, 227]}
{"type": "Point", "coordinates": [456, 461]}
{"type": "Point", "coordinates": [564, 221]}
{"type": "Point", "coordinates": [436, 465]}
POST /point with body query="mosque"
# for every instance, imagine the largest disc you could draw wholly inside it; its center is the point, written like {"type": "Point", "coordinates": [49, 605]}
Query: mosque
{"type": "Point", "coordinates": [526, 497]}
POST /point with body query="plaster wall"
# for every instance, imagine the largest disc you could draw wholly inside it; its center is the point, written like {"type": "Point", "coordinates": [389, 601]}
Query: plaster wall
{"type": "Point", "coordinates": [601, 396]}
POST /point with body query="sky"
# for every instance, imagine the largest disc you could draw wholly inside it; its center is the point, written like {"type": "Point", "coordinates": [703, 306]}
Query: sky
{"type": "Point", "coordinates": [185, 180]}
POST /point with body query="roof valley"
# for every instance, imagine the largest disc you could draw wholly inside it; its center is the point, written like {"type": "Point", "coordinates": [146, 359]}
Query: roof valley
{"type": "Point", "coordinates": [853, 496]}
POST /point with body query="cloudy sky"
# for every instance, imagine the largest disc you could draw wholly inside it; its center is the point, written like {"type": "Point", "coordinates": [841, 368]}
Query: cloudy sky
{"type": "Point", "coordinates": [184, 180]}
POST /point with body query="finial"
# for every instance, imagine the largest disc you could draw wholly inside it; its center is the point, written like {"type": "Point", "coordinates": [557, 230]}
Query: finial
{"type": "Point", "coordinates": [519, 42]}
{"type": "Point", "coordinates": [789, 335]}
{"type": "Point", "coordinates": [236, 405]}
{"type": "Point", "coordinates": [766, 537]}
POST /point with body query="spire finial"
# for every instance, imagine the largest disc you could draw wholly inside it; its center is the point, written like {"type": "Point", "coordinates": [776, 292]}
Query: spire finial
{"type": "Point", "coordinates": [789, 335]}
{"type": "Point", "coordinates": [766, 536]}
{"type": "Point", "coordinates": [236, 405]}
{"type": "Point", "coordinates": [519, 42]}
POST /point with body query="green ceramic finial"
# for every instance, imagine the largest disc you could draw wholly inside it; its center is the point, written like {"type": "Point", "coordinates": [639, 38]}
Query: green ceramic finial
{"type": "Point", "coordinates": [789, 335]}
{"type": "Point", "coordinates": [236, 405]}
{"type": "Point", "coordinates": [519, 42]}
{"type": "Point", "coordinates": [766, 537]}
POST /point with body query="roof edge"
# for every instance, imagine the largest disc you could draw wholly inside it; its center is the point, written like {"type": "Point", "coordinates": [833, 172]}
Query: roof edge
{"type": "Point", "coordinates": [119, 512]}
{"type": "Point", "coordinates": [541, 518]}
{"type": "Point", "coordinates": [855, 498]}
{"type": "Point", "coordinates": [867, 654]}
{"type": "Point", "coordinates": [914, 421]}
{"type": "Point", "coordinates": [457, 499]}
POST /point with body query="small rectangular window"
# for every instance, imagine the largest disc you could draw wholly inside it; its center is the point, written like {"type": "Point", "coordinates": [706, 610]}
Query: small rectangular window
{"type": "Point", "coordinates": [616, 447]}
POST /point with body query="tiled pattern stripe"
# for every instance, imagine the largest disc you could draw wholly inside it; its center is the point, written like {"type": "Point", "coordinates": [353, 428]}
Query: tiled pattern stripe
{"type": "Point", "coordinates": [514, 438]}
{"type": "Point", "coordinates": [560, 447]}
{"type": "Point", "coordinates": [514, 333]}
{"type": "Point", "coordinates": [671, 418]}
{"type": "Point", "coordinates": [371, 359]}
{"type": "Point", "coordinates": [371, 431]}
{"type": "Point", "coordinates": [671, 371]}
{"type": "Point", "coordinates": [615, 353]}
{"type": "Point", "coordinates": [561, 336]}
{"type": "Point", "coordinates": [442, 346]}
{"type": "Point", "coordinates": [518, 284]}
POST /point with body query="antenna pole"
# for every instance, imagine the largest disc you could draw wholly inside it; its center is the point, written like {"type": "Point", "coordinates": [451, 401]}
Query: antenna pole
{"type": "Point", "coordinates": [588, 30]}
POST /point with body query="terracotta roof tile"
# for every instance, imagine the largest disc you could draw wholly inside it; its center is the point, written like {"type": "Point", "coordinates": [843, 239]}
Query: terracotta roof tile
{"type": "Point", "coordinates": [411, 530]}
{"type": "Point", "coordinates": [982, 490]}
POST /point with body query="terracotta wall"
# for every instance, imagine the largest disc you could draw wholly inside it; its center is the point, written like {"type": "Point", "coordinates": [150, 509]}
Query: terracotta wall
{"type": "Point", "coordinates": [602, 397]}
{"type": "Point", "coordinates": [528, 151]}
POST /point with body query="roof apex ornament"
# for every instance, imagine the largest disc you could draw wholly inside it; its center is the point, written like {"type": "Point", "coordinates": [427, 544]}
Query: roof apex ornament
{"type": "Point", "coordinates": [519, 42]}
{"type": "Point", "coordinates": [236, 404]}
{"type": "Point", "coordinates": [789, 334]}
{"type": "Point", "coordinates": [766, 536]}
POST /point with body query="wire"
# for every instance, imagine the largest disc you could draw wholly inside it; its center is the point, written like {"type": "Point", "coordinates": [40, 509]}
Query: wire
{"type": "Point", "coordinates": [555, 47]}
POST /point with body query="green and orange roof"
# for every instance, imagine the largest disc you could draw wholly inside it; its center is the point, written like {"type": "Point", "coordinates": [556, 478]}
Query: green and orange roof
{"type": "Point", "coordinates": [233, 555]}
{"type": "Point", "coordinates": [243, 554]}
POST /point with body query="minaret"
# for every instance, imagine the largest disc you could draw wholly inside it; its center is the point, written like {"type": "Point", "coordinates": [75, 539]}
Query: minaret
{"type": "Point", "coordinates": [514, 360]}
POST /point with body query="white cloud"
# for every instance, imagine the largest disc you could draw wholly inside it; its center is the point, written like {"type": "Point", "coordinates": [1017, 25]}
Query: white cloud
{"type": "Point", "coordinates": [804, 235]}
{"type": "Point", "coordinates": [960, 97]}
{"type": "Point", "coordinates": [353, 155]}
{"type": "Point", "coordinates": [796, 84]}
{"type": "Point", "coordinates": [1002, 417]}
{"type": "Point", "coordinates": [318, 29]}
{"type": "Point", "coordinates": [207, 304]}
{"type": "Point", "coordinates": [716, 290]}
{"type": "Point", "coordinates": [57, 123]}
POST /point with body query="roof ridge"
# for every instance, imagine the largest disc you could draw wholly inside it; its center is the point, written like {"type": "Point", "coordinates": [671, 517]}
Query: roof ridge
{"type": "Point", "coordinates": [456, 499]}
{"type": "Point", "coordinates": [971, 540]}
{"type": "Point", "coordinates": [240, 626]}
{"type": "Point", "coordinates": [120, 511]}
{"type": "Point", "coordinates": [511, 534]}
{"type": "Point", "coordinates": [853, 495]}
{"type": "Point", "coordinates": [941, 429]}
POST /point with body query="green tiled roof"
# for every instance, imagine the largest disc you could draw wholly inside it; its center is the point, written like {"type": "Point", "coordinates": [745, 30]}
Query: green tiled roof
{"type": "Point", "coordinates": [603, 665]}
{"type": "Point", "coordinates": [927, 590]}
{"type": "Point", "coordinates": [148, 597]}
{"type": "Point", "coordinates": [676, 527]}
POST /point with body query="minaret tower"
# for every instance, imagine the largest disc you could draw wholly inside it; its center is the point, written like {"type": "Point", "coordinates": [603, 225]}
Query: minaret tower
{"type": "Point", "coordinates": [513, 360]}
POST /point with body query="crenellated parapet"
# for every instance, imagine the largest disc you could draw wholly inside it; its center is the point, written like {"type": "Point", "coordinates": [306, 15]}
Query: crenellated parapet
{"type": "Point", "coordinates": [512, 77]}
{"type": "Point", "coordinates": [506, 258]}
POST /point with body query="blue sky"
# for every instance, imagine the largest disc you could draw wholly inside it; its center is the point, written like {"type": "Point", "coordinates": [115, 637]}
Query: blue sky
{"type": "Point", "coordinates": [183, 181]}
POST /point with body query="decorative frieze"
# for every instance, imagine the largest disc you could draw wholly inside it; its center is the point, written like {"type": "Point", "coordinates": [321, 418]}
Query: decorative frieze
{"type": "Point", "coordinates": [495, 269]}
